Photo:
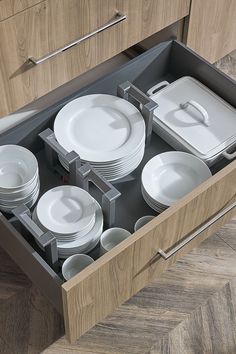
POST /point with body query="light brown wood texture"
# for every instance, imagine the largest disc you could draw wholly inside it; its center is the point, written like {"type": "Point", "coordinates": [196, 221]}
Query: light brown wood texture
{"type": "Point", "coordinates": [53, 23]}
{"type": "Point", "coordinates": [28, 323]}
{"type": "Point", "coordinates": [9, 8]}
{"type": "Point", "coordinates": [212, 28]}
{"type": "Point", "coordinates": [95, 292]}
{"type": "Point", "coordinates": [190, 309]}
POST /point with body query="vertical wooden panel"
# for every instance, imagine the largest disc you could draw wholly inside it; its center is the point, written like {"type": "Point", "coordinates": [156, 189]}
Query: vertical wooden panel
{"type": "Point", "coordinates": [54, 23]}
{"type": "Point", "coordinates": [212, 28]}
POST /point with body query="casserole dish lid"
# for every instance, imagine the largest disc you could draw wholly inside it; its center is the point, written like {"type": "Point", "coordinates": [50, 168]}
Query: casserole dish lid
{"type": "Point", "coordinates": [197, 117]}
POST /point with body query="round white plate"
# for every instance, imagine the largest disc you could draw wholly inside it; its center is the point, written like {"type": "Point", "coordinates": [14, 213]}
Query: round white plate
{"type": "Point", "coordinates": [91, 236]}
{"type": "Point", "coordinates": [169, 176]}
{"type": "Point", "coordinates": [66, 209]}
{"type": "Point", "coordinates": [99, 127]}
{"type": "Point", "coordinates": [64, 237]}
{"type": "Point", "coordinates": [84, 244]}
{"type": "Point", "coordinates": [120, 172]}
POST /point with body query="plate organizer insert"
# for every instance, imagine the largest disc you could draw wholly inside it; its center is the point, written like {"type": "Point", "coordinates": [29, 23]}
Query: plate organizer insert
{"type": "Point", "coordinates": [81, 176]}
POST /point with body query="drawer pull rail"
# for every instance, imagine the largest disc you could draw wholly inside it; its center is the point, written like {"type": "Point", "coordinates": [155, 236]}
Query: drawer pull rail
{"type": "Point", "coordinates": [118, 18]}
{"type": "Point", "coordinates": [81, 175]}
{"type": "Point", "coordinates": [193, 235]}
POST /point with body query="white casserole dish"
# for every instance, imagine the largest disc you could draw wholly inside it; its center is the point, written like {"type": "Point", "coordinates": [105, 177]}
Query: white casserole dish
{"type": "Point", "coordinates": [192, 118]}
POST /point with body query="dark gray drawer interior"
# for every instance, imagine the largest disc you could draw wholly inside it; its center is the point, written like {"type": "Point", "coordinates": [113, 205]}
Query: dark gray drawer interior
{"type": "Point", "coordinates": [167, 61]}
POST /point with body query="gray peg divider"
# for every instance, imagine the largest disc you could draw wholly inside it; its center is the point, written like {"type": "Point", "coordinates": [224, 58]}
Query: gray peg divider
{"type": "Point", "coordinates": [87, 174]}
{"type": "Point", "coordinates": [53, 149]}
{"type": "Point", "coordinates": [144, 103]}
{"type": "Point", "coordinates": [82, 175]}
{"type": "Point", "coordinates": [46, 239]}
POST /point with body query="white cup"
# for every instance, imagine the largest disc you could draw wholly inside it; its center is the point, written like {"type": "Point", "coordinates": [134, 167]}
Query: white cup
{"type": "Point", "coordinates": [143, 221]}
{"type": "Point", "coordinates": [112, 237]}
{"type": "Point", "coordinates": [74, 264]}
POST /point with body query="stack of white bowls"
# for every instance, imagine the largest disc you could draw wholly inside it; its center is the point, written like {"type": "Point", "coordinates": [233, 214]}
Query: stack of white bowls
{"type": "Point", "coordinates": [19, 177]}
{"type": "Point", "coordinates": [106, 131]}
{"type": "Point", "coordinates": [169, 176]}
{"type": "Point", "coordinates": [73, 216]}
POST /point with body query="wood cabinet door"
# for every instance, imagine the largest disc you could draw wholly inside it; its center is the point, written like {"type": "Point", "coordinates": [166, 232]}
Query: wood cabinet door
{"type": "Point", "coordinates": [51, 28]}
{"type": "Point", "coordinates": [212, 28]}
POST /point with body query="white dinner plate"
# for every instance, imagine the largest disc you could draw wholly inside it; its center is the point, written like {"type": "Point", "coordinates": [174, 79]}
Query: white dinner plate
{"type": "Point", "coordinates": [169, 176]}
{"type": "Point", "coordinates": [66, 209]}
{"type": "Point", "coordinates": [90, 237]}
{"type": "Point", "coordinates": [84, 244]}
{"type": "Point", "coordinates": [99, 127]}
{"type": "Point", "coordinates": [117, 173]}
{"type": "Point", "coordinates": [64, 237]}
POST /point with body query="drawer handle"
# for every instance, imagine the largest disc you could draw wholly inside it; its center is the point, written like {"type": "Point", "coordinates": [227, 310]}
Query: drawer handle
{"type": "Point", "coordinates": [199, 108]}
{"type": "Point", "coordinates": [118, 18]}
{"type": "Point", "coordinates": [175, 249]}
{"type": "Point", "coordinates": [229, 155]}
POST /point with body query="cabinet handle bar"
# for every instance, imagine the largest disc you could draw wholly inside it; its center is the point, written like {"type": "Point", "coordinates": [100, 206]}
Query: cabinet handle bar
{"type": "Point", "coordinates": [210, 222]}
{"type": "Point", "coordinates": [118, 18]}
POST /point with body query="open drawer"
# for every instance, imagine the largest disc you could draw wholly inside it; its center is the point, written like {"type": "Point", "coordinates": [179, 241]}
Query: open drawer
{"type": "Point", "coordinates": [116, 276]}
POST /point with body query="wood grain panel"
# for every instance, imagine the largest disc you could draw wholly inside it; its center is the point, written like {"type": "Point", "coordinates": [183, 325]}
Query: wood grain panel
{"type": "Point", "coordinates": [53, 23]}
{"type": "Point", "coordinates": [119, 274]}
{"type": "Point", "coordinates": [212, 28]}
{"type": "Point", "coordinates": [9, 8]}
{"type": "Point", "coordinates": [166, 314]}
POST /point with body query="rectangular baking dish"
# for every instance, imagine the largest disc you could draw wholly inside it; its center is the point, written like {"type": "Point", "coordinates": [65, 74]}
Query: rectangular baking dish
{"type": "Point", "coordinates": [192, 118]}
{"type": "Point", "coordinates": [113, 278]}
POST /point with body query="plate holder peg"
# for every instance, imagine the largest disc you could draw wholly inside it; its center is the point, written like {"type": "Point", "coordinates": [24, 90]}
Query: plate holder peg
{"type": "Point", "coordinates": [81, 175]}
{"type": "Point", "coordinates": [141, 101]}
{"type": "Point", "coordinates": [46, 240]}
{"type": "Point", "coordinates": [86, 174]}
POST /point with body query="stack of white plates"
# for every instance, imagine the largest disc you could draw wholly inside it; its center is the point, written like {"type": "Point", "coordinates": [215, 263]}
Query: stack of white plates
{"type": "Point", "coordinates": [73, 216]}
{"type": "Point", "coordinates": [19, 177]}
{"type": "Point", "coordinates": [106, 131]}
{"type": "Point", "coordinates": [169, 176]}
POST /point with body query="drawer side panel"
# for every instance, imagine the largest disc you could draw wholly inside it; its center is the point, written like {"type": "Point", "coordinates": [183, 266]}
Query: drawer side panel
{"type": "Point", "coordinates": [114, 278]}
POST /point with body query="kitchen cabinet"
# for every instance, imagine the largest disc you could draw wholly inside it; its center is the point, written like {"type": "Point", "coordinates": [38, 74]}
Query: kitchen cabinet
{"type": "Point", "coordinates": [9, 8]}
{"type": "Point", "coordinates": [48, 32]}
{"type": "Point", "coordinates": [212, 28]}
{"type": "Point", "coordinates": [113, 278]}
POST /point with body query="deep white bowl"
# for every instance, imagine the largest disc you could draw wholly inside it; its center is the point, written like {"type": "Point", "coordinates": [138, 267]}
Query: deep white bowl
{"type": "Point", "coordinates": [169, 176]}
{"type": "Point", "coordinates": [18, 168]}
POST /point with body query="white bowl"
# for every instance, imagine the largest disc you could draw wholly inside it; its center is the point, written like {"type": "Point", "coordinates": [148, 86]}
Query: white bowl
{"type": "Point", "coordinates": [169, 176]}
{"type": "Point", "coordinates": [28, 204]}
{"type": "Point", "coordinates": [18, 167]}
{"type": "Point", "coordinates": [22, 200]}
{"type": "Point", "coordinates": [15, 197]}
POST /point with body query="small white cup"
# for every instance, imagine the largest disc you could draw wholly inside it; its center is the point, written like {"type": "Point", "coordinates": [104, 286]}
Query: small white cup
{"type": "Point", "coordinates": [112, 237]}
{"type": "Point", "coordinates": [74, 264]}
{"type": "Point", "coordinates": [143, 221]}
